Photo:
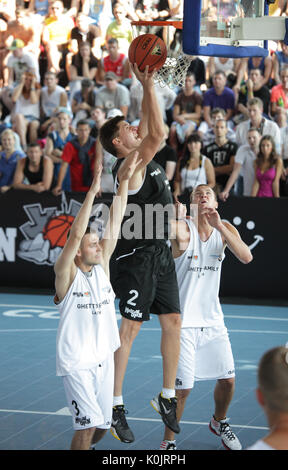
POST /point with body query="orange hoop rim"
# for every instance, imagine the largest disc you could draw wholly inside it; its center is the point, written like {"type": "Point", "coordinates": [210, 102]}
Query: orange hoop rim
{"type": "Point", "coordinates": [175, 23]}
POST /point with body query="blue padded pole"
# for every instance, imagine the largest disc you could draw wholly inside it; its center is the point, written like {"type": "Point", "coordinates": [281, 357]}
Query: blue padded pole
{"type": "Point", "coordinates": [191, 24]}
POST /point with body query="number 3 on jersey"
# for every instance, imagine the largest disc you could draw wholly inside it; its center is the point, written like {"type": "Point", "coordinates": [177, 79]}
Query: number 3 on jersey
{"type": "Point", "coordinates": [134, 296]}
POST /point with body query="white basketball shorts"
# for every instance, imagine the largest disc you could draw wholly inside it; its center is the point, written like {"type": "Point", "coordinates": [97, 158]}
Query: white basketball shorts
{"type": "Point", "coordinates": [205, 354]}
{"type": "Point", "coordinates": [89, 395]}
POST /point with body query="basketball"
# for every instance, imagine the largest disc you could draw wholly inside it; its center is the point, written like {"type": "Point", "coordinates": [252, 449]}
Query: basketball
{"type": "Point", "coordinates": [56, 230]}
{"type": "Point", "coordinates": [147, 49]}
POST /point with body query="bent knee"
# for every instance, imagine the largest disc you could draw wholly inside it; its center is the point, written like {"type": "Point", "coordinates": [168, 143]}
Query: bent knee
{"type": "Point", "coordinates": [182, 394]}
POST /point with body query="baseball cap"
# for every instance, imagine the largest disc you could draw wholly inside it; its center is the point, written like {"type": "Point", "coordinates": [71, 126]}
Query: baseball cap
{"type": "Point", "coordinates": [110, 76]}
{"type": "Point", "coordinates": [113, 113]}
{"type": "Point", "coordinates": [61, 109]}
{"type": "Point", "coordinates": [16, 44]}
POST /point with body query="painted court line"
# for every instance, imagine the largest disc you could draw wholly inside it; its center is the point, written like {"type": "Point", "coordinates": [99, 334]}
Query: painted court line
{"type": "Point", "coordinates": [65, 412]}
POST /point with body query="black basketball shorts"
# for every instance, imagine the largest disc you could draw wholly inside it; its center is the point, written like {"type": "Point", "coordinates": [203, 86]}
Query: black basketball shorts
{"type": "Point", "coordinates": [146, 283]}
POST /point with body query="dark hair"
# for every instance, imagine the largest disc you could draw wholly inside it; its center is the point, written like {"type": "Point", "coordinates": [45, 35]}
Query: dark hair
{"type": "Point", "coordinates": [185, 160]}
{"type": "Point", "coordinates": [113, 41]}
{"type": "Point", "coordinates": [272, 157]}
{"type": "Point", "coordinates": [33, 145]}
{"type": "Point", "coordinates": [83, 122]}
{"type": "Point", "coordinates": [108, 132]}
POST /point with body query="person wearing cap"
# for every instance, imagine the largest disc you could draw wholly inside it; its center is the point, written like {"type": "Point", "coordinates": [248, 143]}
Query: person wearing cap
{"type": "Point", "coordinates": [56, 141]}
{"type": "Point", "coordinates": [53, 96]}
{"type": "Point", "coordinates": [113, 95]}
{"type": "Point", "coordinates": [83, 101]}
{"type": "Point", "coordinates": [272, 396]}
{"type": "Point", "coordinates": [19, 62]}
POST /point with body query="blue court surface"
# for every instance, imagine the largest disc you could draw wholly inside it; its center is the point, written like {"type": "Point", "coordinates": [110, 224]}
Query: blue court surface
{"type": "Point", "coordinates": [33, 409]}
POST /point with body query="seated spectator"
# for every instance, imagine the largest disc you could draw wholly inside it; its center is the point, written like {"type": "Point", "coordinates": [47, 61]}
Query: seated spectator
{"type": "Point", "coordinates": [151, 10]}
{"type": "Point", "coordinates": [113, 95]}
{"type": "Point", "coordinates": [166, 157]}
{"type": "Point", "coordinates": [83, 101]}
{"type": "Point", "coordinates": [244, 163]}
{"type": "Point", "coordinates": [253, 88]}
{"type": "Point", "coordinates": [39, 8]}
{"type": "Point", "coordinates": [272, 396]}
{"type": "Point", "coordinates": [9, 157]}
{"type": "Point", "coordinates": [165, 97]}
{"type": "Point", "coordinates": [23, 27]}
{"type": "Point", "coordinates": [256, 119]}
{"type": "Point", "coordinates": [280, 60]}
{"type": "Point", "coordinates": [193, 169]}
{"type": "Point", "coordinates": [26, 113]}
{"type": "Point", "coordinates": [56, 35]}
{"type": "Point", "coordinates": [84, 31]}
{"type": "Point", "coordinates": [52, 97]}
{"type": "Point", "coordinates": [120, 29]}
{"type": "Point", "coordinates": [219, 96]}
{"type": "Point", "coordinates": [7, 10]}
{"type": "Point", "coordinates": [99, 13]}
{"type": "Point", "coordinates": [79, 154]}
{"type": "Point", "coordinates": [116, 62]}
{"type": "Point", "coordinates": [198, 68]}
{"type": "Point", "coordinates": [186, 112]}
{"type": "Point", "coordinates": [97, 119]}
{"type": "Point", "coordinates": [227, 65]}
{"type": "Point", "coordinates": [56, 141]}
{"type": "Point", "coordinates": [83, 65]}
{"type": "Point", "coordinates": [34, 172]}
{"type": "Point", "coordinates": [279, 99]}
{"type": "Point", "coordinates": [222, 153]}
{"type": "Point", "coordinates": [207, 133]}
{"type": "Point", "coordinates": [268, 169]}
{"type": "Point", "coordinates": [264, 64]}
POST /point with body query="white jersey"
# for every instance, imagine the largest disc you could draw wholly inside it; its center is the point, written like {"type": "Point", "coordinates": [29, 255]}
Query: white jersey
{"type": "Point", "coordinates": [198, 272]}
{"type": "Point", "coordinates": [87, 331]}
{"type": "Point", "coordinates": [50, 101]}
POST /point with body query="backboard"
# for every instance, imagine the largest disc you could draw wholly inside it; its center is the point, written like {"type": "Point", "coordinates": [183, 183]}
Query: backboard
{"type": "Point", "coordinates": [230, 28]}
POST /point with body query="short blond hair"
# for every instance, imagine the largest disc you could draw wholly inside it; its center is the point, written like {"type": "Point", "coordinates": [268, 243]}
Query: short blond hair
{"type": "Point", "coordinates": [273, 378]}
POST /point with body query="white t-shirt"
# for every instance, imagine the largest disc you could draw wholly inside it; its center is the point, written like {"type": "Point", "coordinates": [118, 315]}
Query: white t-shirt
{"type": "Point", "coordinates": [284, 142]}
{"type": "Point", "coordinates": [260, 445]}
{"type": "Point", "coordinates": [49, 102]}
{"type": "Point", "coordinates": [191, 178]}
{"type": "Point", "coordinates": [198, 272]}
{"type": "Point", "coordinates": [22, 64]}
{"type": "Point", "coordinates": [87, 332]}
{"type": "Point", "coordinates": [245, 156]}
{"type": "Point", "coordinates": [269, 128]}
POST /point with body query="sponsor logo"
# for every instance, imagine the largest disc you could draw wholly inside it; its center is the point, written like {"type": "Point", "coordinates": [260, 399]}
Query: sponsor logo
{"type": "Point", "coordinates": [81, 294]}
{"type": "Point", "coordinates": [133, 313]}
{"type": "Point", "coordinates": [178, 382]}
{"type": "Point", "coordinates": [83, 421]}
{"type": "Point", "coordinates": [156, 50]}
{"type": "Point", "coordinates": [156, 172]}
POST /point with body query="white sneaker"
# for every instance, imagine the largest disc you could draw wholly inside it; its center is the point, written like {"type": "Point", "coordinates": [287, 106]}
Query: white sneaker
{"type": "Point", "coordinates": [168, 445]}
{"type": "Point", "coordinates": [222, 429]}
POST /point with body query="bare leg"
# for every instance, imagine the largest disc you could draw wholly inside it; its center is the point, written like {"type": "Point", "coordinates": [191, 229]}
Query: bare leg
{"type": "Point", "coordinates": [33, 131]}
{"type": "Point", "coordinates": [223, 394]}
{"type": "Point", "coordinates": [98, 434]}
{"type": "Point", "coordinates": [170, 347]}
{"type": "Point", "coordinates": [128, 332]}
{"type": "Point", "coordinates": [82, 439]}
{"type": "Point", "coordinates": [21, 128]}
{"type": "Point", "coordinates": [182, 396]}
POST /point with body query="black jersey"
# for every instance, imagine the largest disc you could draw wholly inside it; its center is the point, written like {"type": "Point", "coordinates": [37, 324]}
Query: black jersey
{"type": "Point", "coordinates": [220, 156]}
{"type": "Point", "coordinates": [141, 224]}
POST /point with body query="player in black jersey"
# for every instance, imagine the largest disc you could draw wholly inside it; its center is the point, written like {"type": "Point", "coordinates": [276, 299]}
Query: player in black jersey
{"type": "Point", "coordinates": [145, 280]}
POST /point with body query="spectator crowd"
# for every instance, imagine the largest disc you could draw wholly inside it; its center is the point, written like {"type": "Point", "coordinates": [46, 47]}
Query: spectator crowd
{"type": "Point", "coordinates": [64, 71]}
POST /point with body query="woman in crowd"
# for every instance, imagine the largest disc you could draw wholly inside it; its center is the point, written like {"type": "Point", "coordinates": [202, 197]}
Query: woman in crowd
{"type": "Point", "coordinates": [26, 112]}
{"type": "Point", "coordinates": [268, 169]}
{"type": "Point", "coordinates": [9, 157]}
{"type": "Point", "coordinates": [193, 169]}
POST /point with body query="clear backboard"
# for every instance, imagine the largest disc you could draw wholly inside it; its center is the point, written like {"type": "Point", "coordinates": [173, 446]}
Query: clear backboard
{"type": "Point", "coordinates": [230, 28]}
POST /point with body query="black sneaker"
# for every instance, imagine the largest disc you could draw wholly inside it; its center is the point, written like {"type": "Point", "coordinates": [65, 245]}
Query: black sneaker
{"type": "Point", "coordinates": [166, 407]}
{"type": "Point", "coordinates": [119, 426]}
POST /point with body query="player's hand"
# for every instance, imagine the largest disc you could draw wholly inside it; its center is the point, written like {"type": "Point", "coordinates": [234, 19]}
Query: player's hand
{"type": "Point", "coordinates": [129, 166]}
{"type": "Point", "coordinates": [181, 210]}
{"type": "Point", "coordinates": [212, 216]}
{"type": "Point", "coordinates": [145, 77]}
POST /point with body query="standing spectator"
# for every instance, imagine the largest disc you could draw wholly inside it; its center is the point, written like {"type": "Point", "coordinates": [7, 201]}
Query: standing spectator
{"type": "Point", "coordinates": [26, 114]}
{"type": "Point", "coordinates": [120, 29]}
{"type": "Point", "coordinates": [280, 60]}
{"type": "Point", "coordinates": [84, 31]}
{"type": "Point", "coordinates": [272, 396]}
{"type": "Point", "coordinates": [219, 96]}
{"type": "Point", "coordinates": [52, 97]}
{"type": "Point", "coordinates": [79, 155]}
{"type": "Point", "coordinates": [186, 112]}
{"type": "Point", "coordinates": [56, 35]}
{"type": "Point", "coordinates": [83, 101]}
{"type": "Point", "coordinates": [256, 119]}
{"type": "Point", "coordinates": [9, 157]}
{"type": "Point", "coordinates": [56, 141]}
{"type": "Point", "coordinates": [83, 65]}
{"type": "Point", "coordinates": [114, 61]}
{"type": "Point", "coordinates": [268, 170]}
{"type": "Point", "coordinates": [279, 95]}
{"type": "Point", "coordinates": [113, 95]}
{"type": "Point", "coordinates": [193, 169]}
{"type": "Point", "coordinates": [253, 89]}
{"type": "Point", "coordinates": [244, 163]}
{"type": "Point", "coordinates": [34, 172]}
{"type": "Point", "coordinates": [221, 152]}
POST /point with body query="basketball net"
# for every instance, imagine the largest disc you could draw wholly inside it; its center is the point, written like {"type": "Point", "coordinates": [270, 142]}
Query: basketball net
{"type": "Point", "coordinates": [174, 70]}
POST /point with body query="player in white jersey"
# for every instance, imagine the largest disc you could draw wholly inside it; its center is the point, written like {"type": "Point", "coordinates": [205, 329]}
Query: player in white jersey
{"type": "Point", "coordinates": [88, 334]}
{"type": "Point", "coordinates": [198, 246]}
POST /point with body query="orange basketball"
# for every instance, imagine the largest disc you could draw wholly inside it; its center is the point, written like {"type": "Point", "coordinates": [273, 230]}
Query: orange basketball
{"type": "Point", "coordinates": [56, 230]}
{"type": "Point", "coordinates": [147, 49]}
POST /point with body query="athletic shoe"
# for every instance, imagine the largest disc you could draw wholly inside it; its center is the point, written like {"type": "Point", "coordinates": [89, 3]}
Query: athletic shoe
{"type": "Point", "coordinates": [119, 427]}
{"type": "Point", "coordinates": [166, 407]}
{"type": "Point", "coordinates": [168, 445]}
{"type": "Point", "coordinates": [222, 429]}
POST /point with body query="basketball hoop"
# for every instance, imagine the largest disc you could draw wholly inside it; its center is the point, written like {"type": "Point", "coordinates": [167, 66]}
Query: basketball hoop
{"type": "Point", "coordinates": [174, 71]}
